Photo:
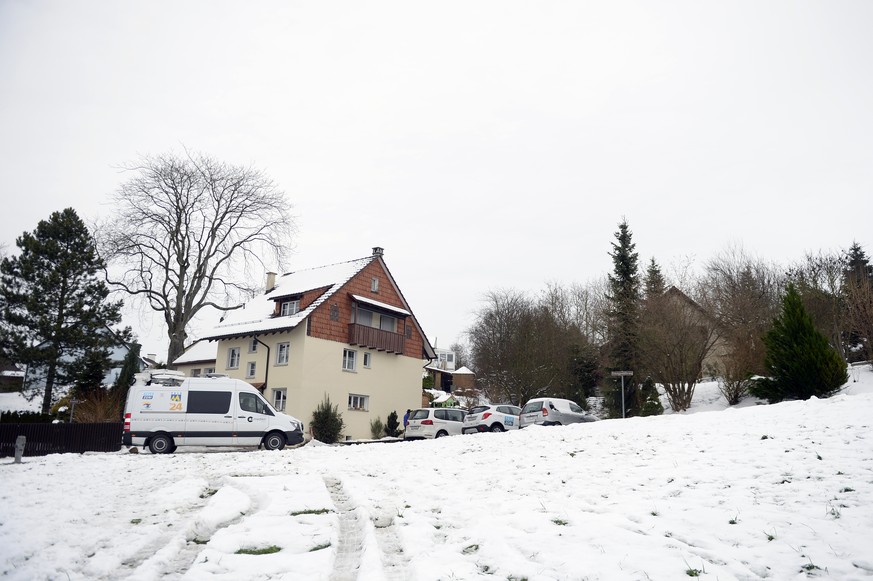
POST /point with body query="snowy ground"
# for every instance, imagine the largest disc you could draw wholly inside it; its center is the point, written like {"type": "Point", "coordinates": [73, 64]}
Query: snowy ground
{"type": "Point", "coordinates": [761, 492]}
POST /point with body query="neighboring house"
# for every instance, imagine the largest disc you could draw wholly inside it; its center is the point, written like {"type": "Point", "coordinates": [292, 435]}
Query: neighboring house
{"type": "Point", "coordinates": [35, 377]}
{"type": "Point", "coordinates": [344, 331]}
{"type": "Point", "coordinates": [445, 359]}
{"type": "Point", "coordinates": [11, 377]}
{"type": "Point", "coordinates": [450, 379]}
{"type": "Point", "coordinates": [713, 363]}
{"type": "Point", "coordinates": [198, 359]}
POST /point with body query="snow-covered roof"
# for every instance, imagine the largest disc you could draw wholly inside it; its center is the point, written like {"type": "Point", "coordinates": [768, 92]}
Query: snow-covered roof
{"type": "Point", "coordinates": [257, 315]}
{"type": "Point", "coordinates": [381, 305]}
{"type": "Point", "coordinates": [460, 371]}
{"type": "Point", "coordinates": [200, 351]}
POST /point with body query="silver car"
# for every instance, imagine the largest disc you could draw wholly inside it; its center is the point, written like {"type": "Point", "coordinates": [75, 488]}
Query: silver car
{"type": "Point", "coordinates": [553, 411]}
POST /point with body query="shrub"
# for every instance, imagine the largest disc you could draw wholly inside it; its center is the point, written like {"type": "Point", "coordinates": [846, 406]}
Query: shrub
{"type": "Point", "coordinates": [652, 405]}
{"type": "Point", "coordinates": [327, 423]}
{"type": "Point", "coordinates": [392, 426]}
{"type": "Point", "coordinates": [376, 428]}
{"type": "Point", "coordinates": [14, 417]}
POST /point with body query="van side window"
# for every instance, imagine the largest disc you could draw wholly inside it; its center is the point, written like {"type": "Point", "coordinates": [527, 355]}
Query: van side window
{"type": "Point", "coordinates": [208, 402]}
{"type": "Point", "coordinates": [249, 402]}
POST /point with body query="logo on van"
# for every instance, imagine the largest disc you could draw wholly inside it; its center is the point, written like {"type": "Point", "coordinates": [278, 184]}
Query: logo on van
{"type": "Point", "coordinates": [176, 397]}
{"type": "Point", "coordinates": [148, 395]}
{"type": "Point", "coordinates": [146, 405]}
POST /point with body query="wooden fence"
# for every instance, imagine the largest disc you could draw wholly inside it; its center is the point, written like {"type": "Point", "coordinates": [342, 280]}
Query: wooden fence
{"type": "Point", "coordinates": [45, 439]}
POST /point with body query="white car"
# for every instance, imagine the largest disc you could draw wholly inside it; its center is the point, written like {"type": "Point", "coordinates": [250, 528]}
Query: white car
{"type": "Point", "coordinates": [491, 418]}
{"type": "Point", "coordinates": [553, 411]}
{"type": "Point", "coordinates": [434, 423]}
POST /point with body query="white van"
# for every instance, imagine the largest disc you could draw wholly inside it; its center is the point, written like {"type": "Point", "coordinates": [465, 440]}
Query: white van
{"type": "Point", "coordinates": [163, 413]}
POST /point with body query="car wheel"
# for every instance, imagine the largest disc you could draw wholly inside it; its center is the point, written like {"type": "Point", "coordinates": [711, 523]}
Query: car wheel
{"type": "Point", "coordinates": [441, 433]}
{"type": "Point", "coordinates": [496, 428]}
{"type": "Point", "coordinates": [274, 441]}
{"type": "Point", "coordinates": [161, 444]}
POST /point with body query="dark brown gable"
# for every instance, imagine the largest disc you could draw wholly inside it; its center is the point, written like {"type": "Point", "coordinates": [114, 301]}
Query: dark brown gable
{"type": "Point", "coordinates": [334, 319]}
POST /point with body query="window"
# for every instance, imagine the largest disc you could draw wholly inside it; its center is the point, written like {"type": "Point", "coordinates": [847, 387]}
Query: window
{"type": "Point", "coordinates": [195, 372]}
{"type": "Point", "coordinates": [208, 370]}
{"type": "Point", "coordinates": [387, 323]}
{"type": "Point", "coordinates": [253, 345]}
{"type": "Point", "coordinates": [374, 285]}
{"type": "Point", "coordinates": [367, 358]}
{"type": "Point", "coordinates": [289, 308]}
{"type": "Point", "coordinates": [349, 359]}
{"type": "Point", "coordinates": [365, 317]}
{"type": "Point", "coordinates": [447, 357]}
{"type": "Point", "coordinates": [249, 402]}
{"type": "Point", "coordinates": [233, 358]}
{"type": "Point", "coordinates": [208, 402]}
{"type": "Point", "coordinates": [359, 403]}
{"type": "Point", "coordinates": [282, 350]}
{"type": "Point", "coordinates": [279, 397]}
{"type": "Point", "coordinates": [334, 312]}
{"type": "Point", "coordinates": [250, 369]}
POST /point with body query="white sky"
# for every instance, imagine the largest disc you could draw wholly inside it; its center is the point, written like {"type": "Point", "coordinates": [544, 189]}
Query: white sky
{"type": "Point", "coordinates": [764, 492]}
{"type": "Point", "coordinates": [485, 145]}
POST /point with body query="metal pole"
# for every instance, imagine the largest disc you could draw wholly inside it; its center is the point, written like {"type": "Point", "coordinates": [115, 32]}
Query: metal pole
{"type": "Point", "coordinates": [622, 397]}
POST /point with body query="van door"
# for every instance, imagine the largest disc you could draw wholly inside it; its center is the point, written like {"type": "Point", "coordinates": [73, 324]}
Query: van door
{"type": "Point", "coordinates": [209, 421]}
{"type": "Point", "coordinates": [252, 419]}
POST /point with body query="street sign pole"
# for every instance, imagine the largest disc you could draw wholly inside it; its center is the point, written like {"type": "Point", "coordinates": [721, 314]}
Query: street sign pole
{"type": "Point", "coordinates": [622, 374]}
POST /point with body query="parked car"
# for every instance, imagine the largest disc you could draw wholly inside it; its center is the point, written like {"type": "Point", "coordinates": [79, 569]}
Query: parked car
{"type": "Point", "coordinates": [491, 418]}
{"type": "Point", "coordinates": [552, 411]}
{"type": "Point", "coordinates": [434, 423]}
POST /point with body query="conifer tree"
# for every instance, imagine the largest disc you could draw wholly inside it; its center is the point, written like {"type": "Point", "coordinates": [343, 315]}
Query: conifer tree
{"type": "Point", "coordinates": [54, 304]}
{"type": "Point", "coordinates": [799, 360]}
{"type": "Point", "coordinates": [654, 284]}
{"type": "Point", "coordinates": [624, 309]}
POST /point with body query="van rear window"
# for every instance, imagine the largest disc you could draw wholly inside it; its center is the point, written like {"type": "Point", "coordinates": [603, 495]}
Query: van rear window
{"type": "Point", "coordinates": [208, 402]}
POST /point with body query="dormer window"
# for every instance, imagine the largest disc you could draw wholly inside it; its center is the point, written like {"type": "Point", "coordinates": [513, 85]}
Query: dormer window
{"type": "Point", "coordinates": [289, 308]}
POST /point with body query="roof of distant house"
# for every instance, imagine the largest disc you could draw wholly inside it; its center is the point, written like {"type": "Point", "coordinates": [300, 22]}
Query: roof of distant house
{"type": "Point", "coordinates": [200, 351]}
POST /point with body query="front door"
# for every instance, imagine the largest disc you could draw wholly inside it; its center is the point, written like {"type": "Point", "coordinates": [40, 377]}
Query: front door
{"type": "Point", "coordinates": [252, 418]}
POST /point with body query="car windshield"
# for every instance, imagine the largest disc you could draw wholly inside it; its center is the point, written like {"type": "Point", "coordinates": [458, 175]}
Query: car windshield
{"type": "Point", "coordinates": [420, 414]}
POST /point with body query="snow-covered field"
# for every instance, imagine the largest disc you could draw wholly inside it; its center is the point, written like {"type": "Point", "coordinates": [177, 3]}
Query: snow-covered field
{"type": "Point", "coordinates": [761, 492]}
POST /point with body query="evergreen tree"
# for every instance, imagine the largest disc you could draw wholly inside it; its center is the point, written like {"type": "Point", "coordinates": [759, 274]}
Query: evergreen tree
{"type": "Point", "coordinates": [126, 376]}
{"type": "Point", "coordinates": [652, 405]}
{"type": "Point", "coordinates": [799, 360]}
{"type": "Point", "coordinates": [89, 371]}
{"type": "Point", "coordinates": [392, 425]}
{"type": "Point", "coordinates": [55, 312]}
{"type": "Point", "coordinates": [327, 422]}
{"type": "Point", "coordinates": [624, 309]}
{"type": "Point", "coordinates": [654, 284]}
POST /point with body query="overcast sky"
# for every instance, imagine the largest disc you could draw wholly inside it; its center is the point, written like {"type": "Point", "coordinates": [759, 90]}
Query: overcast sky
{"type": "Point", "coordinates": [484, 145]}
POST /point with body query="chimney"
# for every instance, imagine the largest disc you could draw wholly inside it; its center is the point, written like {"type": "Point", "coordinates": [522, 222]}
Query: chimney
{"type": "Point", "coordinates": [271, 281]}
{"type": "Point", "coordinates": [378, 251]}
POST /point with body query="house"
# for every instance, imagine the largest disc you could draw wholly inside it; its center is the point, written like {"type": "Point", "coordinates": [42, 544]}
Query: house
{"type": "Point", "coordinates": [198, 359]}
{"type": "Point", "coordinates": [11, 376]}
{"type": "Point", "coordinates": [35, 379]}
{"type": "Point", "coordinates": [343, 331]}
{"type": "Point", "coordinates": [450, 379]}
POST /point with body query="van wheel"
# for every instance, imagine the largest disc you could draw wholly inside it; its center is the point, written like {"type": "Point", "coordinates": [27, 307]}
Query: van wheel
{"type": "Point", "coordinates": [496, 428]}
{"type": "Point", "coordinates": [441, 433]}
{"type": "Point", "coordinates": [274, 441]}
{"type": "Point", "coordinates": [161, 444]}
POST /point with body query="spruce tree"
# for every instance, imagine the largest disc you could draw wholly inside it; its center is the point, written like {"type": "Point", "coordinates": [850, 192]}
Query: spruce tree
{"type": "Point", "coordinates": [654, 284]}
{"type": "Point", "coordinates": [624, 310]}
{"type": "Point", "coordinates": [327, 422]}
{"type": "Point", "coordinates": [126, 376]}
{"type": "Point", "coordinates": [392, 426]}
{"type": "Point", "coordinates": [55, 312]}
{"type": "Point", "coordinates": [799, 360]}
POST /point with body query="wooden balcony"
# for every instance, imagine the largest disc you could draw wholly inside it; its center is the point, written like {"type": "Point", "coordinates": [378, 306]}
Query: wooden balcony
{"type": "Point", "coordinates": [375, 338]}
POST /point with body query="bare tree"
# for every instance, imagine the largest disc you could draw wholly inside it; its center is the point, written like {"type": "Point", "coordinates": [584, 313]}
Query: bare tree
{"type": "Point", "coordinates": [821, 282]}
{"type": "Point", "coordinates": [743, 294]}
{"type": "Point", "coordinates": [193, 232]}
{"type": "Point", "coordinates": [676, 336]}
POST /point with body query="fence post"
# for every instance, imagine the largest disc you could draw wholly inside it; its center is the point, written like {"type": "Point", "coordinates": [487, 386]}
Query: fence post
{"type": "Point", "coordinates": [19, 448]}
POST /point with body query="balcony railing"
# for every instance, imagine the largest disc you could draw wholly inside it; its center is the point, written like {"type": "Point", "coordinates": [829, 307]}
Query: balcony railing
{"type": "Point", "coordinates": [375, 338]}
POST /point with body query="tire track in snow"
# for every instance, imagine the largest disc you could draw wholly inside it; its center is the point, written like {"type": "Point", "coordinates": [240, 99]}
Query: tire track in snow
{"type": "Point", "coordinates": [350, 545]}
{"type": "Point", "coordinates": [390, 547]}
